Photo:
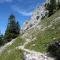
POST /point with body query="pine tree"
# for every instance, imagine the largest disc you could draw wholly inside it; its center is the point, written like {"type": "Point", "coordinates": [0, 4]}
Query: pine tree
{"type": "Point", "coordinates": [51, 7]}
{"type": "Point", "coordinates": [58, 4]}
{"type": "Point", "coordinates": [1, 39]}
{"type": "Point", "coordinates": [18, 27]}
{"type": "Point", "coordinates": [13, 28]}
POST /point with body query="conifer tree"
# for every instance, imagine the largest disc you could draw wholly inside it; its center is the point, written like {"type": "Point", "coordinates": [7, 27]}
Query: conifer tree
{"type": "Point", "coordinates": [13, 28]}
{"type": "Point", "coordinates": [51, 6]}
{"type": "Point", "coordinates": [58, 4]}
{"type": "Point", "coordinates": [1, 39]}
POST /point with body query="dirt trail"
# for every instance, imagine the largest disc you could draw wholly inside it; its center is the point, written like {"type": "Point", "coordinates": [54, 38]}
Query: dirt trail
{"type": "Point", "coordinates": [33, 55]}
{"type": "Point", "coordinates": [2, 48]}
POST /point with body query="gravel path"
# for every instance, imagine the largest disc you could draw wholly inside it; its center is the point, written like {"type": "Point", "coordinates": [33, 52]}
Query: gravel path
{"type": "Point", "coordinates": [33, 55]}
{"type": "Point", "coordinates": [2, 48]}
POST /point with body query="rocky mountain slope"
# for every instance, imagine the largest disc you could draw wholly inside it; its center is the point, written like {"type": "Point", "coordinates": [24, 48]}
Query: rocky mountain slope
{"type": "Point", "coordinates": [32, 45]}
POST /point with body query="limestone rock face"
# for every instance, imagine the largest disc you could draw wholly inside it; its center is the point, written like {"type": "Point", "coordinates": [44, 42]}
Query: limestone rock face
{"type": "Point", "coordinates": [38, 13]}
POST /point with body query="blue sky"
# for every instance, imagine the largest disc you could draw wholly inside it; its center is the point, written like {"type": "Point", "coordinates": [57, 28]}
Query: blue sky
{"type": "Point", "coordinates": [22, 9]}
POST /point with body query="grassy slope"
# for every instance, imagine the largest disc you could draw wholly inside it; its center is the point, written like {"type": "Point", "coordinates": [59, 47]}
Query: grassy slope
{"type": "Point", "coordinates": [11, 53]}
{"type": "Point", "coordinates": [45, 37]}
{"type": "Point", "coordinates": [19, 41]}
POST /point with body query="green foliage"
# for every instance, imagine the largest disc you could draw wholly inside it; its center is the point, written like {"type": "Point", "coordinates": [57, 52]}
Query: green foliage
{"type": "Point", "coordinates": [12, 55]}
{"type": "Point", "coordinates": [53, 4]}
{"type": "Point", "coordinates": [19, 41]}
{"type": "Point", "coordinates": [1, 40]}
{"type": "Point", "coordinates": [58, 4]}
{"type": "Point", "coordinates": [13, 29]}
{"type": "Point", "coordinates": [54, 49]}
{"type": "Point", "coordinates": [51, 7]}
{"type": "Point", "coordinates": [43, 38]}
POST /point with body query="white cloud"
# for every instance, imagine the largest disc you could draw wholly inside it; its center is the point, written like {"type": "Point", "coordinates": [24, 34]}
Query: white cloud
{"type": "Point", "coordinates": [3, 1]}
{"type": "Point", "coordinates": [23, 12]}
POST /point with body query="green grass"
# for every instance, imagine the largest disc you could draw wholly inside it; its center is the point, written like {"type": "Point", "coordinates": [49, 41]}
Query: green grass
{"type": "Point", "coordinates": [47, 21]}
{"type": "Point", "coordinates": [43, 38]}
{"type": "Point", "coordinates": [12, 55]}
{"type": "Point", "coordinates": [19, 41]}
{"type": "Point", "coordinates": [46, 37]}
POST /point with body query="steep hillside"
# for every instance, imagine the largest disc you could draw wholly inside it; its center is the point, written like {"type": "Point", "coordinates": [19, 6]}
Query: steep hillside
{"type": "Point", "coordinates": [34, 41]}
{"type": "Point", "coordinates": [9, 51]}
{"type": "Point", "coordinates": [48, 32]}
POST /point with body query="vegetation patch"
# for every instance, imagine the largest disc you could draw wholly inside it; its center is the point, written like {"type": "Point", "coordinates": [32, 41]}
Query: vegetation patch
{"type": "Point", "coordinates": [12, 55]}
{"type": "Point", "coordinates": [18, 42]}
{"type": "Point", "coordinates": [44, 38]}
{"type": "Point", "coordinates": [54, 49]}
